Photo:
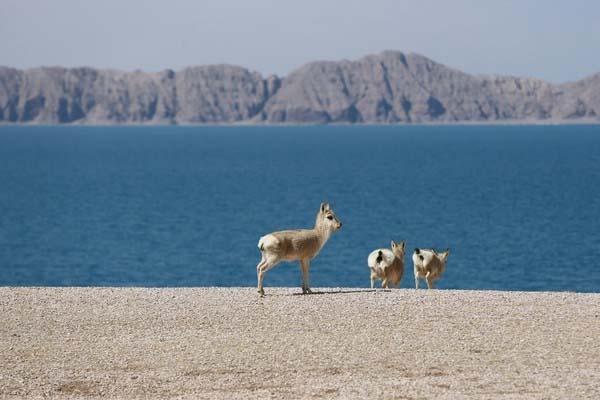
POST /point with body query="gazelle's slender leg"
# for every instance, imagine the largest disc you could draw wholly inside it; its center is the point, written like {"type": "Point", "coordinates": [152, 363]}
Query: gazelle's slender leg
{"type": "Point", "coordinates": [416, 281]}
{"type": "Point", "coordinates": [429, 280]}
{"type": "Point", "coordinates": [260, 264]}
{"type": "Point", "coordinates": [305, 265]}
{"type": "Point", "coordinates": [266, 264]}
{"type": "Point", "coordinates": [260, 274]}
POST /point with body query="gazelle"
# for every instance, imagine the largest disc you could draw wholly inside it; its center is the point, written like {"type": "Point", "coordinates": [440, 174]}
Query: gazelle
{"type": "Point", "coordinates": [301, 244]}
{"type": "Point", "coordinates": [429, 264]}
{"type": "Point", "coordinates": [387, 265]}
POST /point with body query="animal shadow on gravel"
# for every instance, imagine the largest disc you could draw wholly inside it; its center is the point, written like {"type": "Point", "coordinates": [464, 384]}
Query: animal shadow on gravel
{"type": "Point", "coordinates": [339, 292]}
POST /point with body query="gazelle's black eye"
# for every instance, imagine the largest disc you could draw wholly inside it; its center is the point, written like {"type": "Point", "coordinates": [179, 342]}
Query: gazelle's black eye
{"type": "Point", "coordinates": [329, 217]}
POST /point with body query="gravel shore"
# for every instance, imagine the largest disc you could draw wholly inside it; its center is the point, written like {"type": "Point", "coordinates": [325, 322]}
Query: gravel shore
{"type": "Point", "coordinates": [218, 343]}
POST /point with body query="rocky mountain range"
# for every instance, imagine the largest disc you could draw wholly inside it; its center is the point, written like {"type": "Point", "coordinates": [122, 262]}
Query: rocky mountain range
{"type": "Point", "coordinates": [391, 87]}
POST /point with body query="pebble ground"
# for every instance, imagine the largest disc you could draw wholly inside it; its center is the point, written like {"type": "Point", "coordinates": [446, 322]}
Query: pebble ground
{"type": "Point", "coordinates": [221, 343]}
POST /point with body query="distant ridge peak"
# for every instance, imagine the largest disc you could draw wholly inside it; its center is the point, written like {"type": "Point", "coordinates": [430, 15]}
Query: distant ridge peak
{"type": "Point", "coordinates": [388, 87]}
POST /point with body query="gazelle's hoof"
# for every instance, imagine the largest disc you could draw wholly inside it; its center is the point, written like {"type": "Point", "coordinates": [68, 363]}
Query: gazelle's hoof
{"type": "Point", "coordinates": [306, 291]}
{"type": "Point", "coordinates": [261, 292]}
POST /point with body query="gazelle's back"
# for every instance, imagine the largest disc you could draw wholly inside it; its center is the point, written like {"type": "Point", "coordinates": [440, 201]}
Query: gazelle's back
{"type": "Point", "coordinates": [292, 244]}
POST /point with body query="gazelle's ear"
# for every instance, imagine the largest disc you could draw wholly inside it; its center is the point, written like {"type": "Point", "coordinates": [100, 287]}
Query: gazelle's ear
{"type": "Point", "coordinates": [393, 244]}
{"type": "Point", "coordinates": [322, 209]}
{"type": "Point", "coordinates": [402, 244]}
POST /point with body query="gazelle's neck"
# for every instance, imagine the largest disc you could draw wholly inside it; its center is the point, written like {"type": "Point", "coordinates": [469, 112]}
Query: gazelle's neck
{"type": "Point", "coordinates": [323, 233]}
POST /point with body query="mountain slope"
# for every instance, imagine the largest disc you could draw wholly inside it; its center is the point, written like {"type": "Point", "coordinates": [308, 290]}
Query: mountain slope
{"type": "Point", "coordinates": [394, 87]}
{"type": "Point", "coordinates": [391, 87]}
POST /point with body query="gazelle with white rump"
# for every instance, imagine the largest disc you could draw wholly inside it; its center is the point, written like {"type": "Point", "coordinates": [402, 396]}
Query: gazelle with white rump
{"type": "Point", "coordinates": [387, 265]}
{"type": "Point", "coordinates": [302, 245]}
{"type": "Point", "coordinates": [429, 264]}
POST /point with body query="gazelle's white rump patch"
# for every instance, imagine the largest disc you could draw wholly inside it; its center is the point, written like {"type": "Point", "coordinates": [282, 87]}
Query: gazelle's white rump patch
{"type": "Point", "coordinates": [387, 258]}
{"type": "Point", "coordinates": [268, 241]}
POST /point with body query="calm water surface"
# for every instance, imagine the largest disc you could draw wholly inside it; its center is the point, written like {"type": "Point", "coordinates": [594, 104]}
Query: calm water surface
{"type": "Point", "coordinates": [519, 206]}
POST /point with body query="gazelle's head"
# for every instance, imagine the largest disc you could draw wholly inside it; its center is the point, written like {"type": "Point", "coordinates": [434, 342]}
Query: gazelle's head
{"type": "Point", "coordinates": [398, 249]}
{"type": "Point", "coordinates": [443, 256]}
{"type": "Point", "coordinates": [326, 219]}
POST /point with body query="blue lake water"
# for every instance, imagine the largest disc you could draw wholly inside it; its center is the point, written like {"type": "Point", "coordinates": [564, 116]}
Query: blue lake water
{"type": "Point", "coordinates": [519, 206]}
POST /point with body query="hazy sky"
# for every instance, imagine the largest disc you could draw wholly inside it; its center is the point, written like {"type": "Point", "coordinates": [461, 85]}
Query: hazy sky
{"type": "Point", "coordinates": [557, 40]}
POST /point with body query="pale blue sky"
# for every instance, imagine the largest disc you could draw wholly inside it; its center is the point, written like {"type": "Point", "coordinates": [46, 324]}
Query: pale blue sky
{"type": "Point", "coordinates": [549, 39]}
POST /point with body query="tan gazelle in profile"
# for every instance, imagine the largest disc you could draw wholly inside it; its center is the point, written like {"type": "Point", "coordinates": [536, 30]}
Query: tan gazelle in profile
{"type": "Point", "coordinates": [387, 265]}
{"type": "Point", "coordinates": [302, 245]}
{"type": "Point", "coordinates": [429, 264]}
